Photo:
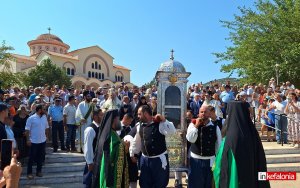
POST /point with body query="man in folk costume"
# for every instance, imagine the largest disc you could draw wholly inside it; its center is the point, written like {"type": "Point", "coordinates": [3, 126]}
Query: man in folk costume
{"type": "Point", "coordinates": [110, 164]}
{"type": "Point", "coordinates": [150, 139]}
{"type": "Point", "coordinates": [90, 142]}
{"type": "Point", "coordinates": [205, 139]}
{"type": "Point", "coordinates": [241, 155]}
{"type": "Point", "coordinates": [84, 116]}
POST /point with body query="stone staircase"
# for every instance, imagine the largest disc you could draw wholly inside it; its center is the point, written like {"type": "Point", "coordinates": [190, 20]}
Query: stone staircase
{"type": "Point", "coordinates": [280, 158]}
{"type": "Point", "coordinates": [64, 170]}
{"type": "Point", "coordinates": [61, 169]}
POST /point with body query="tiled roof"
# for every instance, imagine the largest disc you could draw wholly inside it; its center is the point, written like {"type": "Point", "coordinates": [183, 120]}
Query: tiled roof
{"type": "Point", "coordinates": [23, 57]}
{"type": "Point", "coordinates": [120, 67]}
{"type": "Point", "coordinates": [62, 55]}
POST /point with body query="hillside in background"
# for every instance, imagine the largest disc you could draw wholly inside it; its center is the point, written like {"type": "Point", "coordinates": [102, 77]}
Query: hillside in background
{"type": "Point", "coordinates": [233, 81]}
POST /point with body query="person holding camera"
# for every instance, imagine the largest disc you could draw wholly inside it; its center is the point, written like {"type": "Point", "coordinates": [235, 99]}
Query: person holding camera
{"type": "Point", "coordinates": [205, 139]}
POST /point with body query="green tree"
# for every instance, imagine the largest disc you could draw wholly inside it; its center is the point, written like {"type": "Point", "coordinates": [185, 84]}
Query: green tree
{"type": "Point", "coordinates": [149, 84]}
{"type": "Point", "coordinates": [7, 77]}
{"type": "Point", "coordinates": [262, 37]}
{"type": "Point", "coordinates": [48, 73]}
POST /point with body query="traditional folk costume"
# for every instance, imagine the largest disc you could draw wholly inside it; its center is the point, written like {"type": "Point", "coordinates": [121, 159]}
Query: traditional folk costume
{"type": "Point", "coordinates": [205, 142]}
{"type": "Point", "coordinates": [154, 164]}
{"type": "Point", "coordinates": [241, 155]}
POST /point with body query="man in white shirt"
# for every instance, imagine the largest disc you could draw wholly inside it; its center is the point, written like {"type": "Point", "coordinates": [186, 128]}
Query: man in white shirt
{"type": "Point", "coordinates": [280, 118]}
{"type": "Point", "coordinates": [90, 141]}
{"type": "Point", "coordinates": [250, 91]}
{"type": "Point", "coordinates": [36, 130]}
{"type": "Point", "coordinates": [69, 123]}
{"type": "Point", "coordinates": [205, 139]}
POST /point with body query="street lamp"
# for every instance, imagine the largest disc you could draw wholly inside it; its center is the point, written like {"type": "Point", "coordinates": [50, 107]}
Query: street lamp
{"type": "Point", "coordinates": [277, 72]}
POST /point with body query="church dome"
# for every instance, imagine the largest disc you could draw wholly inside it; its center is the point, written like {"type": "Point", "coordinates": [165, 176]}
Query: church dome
{"type": "Point", "coordinates": [48, 42]}
{"type": "Point", "coordinates": [49, 37]}
{"type": "Point", "coordinates": [172, 65]}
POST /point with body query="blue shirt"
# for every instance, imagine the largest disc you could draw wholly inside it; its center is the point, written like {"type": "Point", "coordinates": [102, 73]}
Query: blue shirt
{"type": "Point", "coordinates": [56, 112]}
{"type": "Point", "coordinates": [32, 98]}
{"type": "Point", "coordinates": [226, 96]}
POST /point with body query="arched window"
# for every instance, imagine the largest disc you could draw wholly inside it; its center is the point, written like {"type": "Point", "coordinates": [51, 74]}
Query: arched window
{"type": "Point", "coordinates": [102, 76]}
{"type": "Point", "coordinates": [99, 67]}
{"type": "Point", "coordinates": [96, 65]}
{"type": "Point", "coordinates": [72, 72]}
{"type": "Point", "coordinates": [116, 78]}
{"type": "Point", "coordinates": [89, 74]}
{"type": "Point", "coordinates": [96, 75]}
{"type": "Point", "coordinates": [68, 71]}
{"type": "Point", "coordinates": [92, 65]}
{"type": "Point", "coordinates": [93, 74]}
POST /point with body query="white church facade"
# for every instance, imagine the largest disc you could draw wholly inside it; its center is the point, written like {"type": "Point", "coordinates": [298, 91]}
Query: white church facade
{"type": "Point", "coordinates": [86, 66]}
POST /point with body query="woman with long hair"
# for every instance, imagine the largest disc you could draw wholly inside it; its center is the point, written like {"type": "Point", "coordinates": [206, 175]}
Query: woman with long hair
{"type": "Point", "coordinates": [261, 116]}
{"type": "Point", "coordinates": [216, 103]}
{"type": "Point", "coordinates": [292, 110]}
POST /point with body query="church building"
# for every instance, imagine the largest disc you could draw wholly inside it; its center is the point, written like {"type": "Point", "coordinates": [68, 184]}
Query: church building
{"type": "Point", "coordinates": [90, 65]}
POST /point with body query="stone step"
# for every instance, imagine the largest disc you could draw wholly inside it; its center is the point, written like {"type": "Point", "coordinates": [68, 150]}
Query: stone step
{"type": "Point", "coordinates": [281, 150]}
{"type": "Point", "coordinates": [286, 167]}
{"type": "Point", "coordinates": [64, 157]}
{"type": "Point", "coordinates": [59, 168]}
{"type": "Point", "coordinates": [283, 158]}
{"type": "Point", "coordinates": [53, 178]}
{"type": "Point", "coordinates": [65, 185]}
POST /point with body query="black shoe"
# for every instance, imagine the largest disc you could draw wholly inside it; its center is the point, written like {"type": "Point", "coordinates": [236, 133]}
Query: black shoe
{"type": "Point", "coordinates": [177, 185]}
{"type": "Point", "coordinates": [39, 174]}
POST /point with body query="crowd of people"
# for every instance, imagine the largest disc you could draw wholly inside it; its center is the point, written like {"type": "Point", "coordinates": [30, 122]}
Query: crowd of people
{"type": "Point", "coordinates": [275, 107]}
{"type": "Point", "coordinates": [119, 128]}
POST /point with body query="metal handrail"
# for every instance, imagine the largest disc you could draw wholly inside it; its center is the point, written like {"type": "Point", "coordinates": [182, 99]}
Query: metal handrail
{"type": "Point", "coordinates": [281, 132]}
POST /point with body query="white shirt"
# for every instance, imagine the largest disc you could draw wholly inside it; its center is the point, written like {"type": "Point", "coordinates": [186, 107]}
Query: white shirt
{"type": "Point", "coordinates": [249, 92]}
{"type": "Point", "coordinates": [10, 135]}
{"type": "Point", "coordinates": [192, 135]}
{"type": "Point", "coordinates": [89, 136]}
{"type": "Point", "coordinates": [70, 111]}
{"type": "Point", "coordinates": [48, 99]}
{"type": "Point", "coordinates": [166, 128]}
{"type": "Point", "coordinates": [280, 106]}
{"type": "Point", "coordinates": [36, 126]}
{"type": "Point", "coordinates": [216, 104]}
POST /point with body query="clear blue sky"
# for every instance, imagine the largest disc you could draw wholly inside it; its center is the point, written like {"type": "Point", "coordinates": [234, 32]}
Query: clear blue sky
{"type": "Point", "coordinates": [137, 33]}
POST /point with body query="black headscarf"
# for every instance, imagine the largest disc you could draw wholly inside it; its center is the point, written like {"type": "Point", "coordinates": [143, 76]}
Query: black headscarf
{"type": "Point", "coordinates": [243, 139]}
{"type": "Point", "coordinates": [103, 144]}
